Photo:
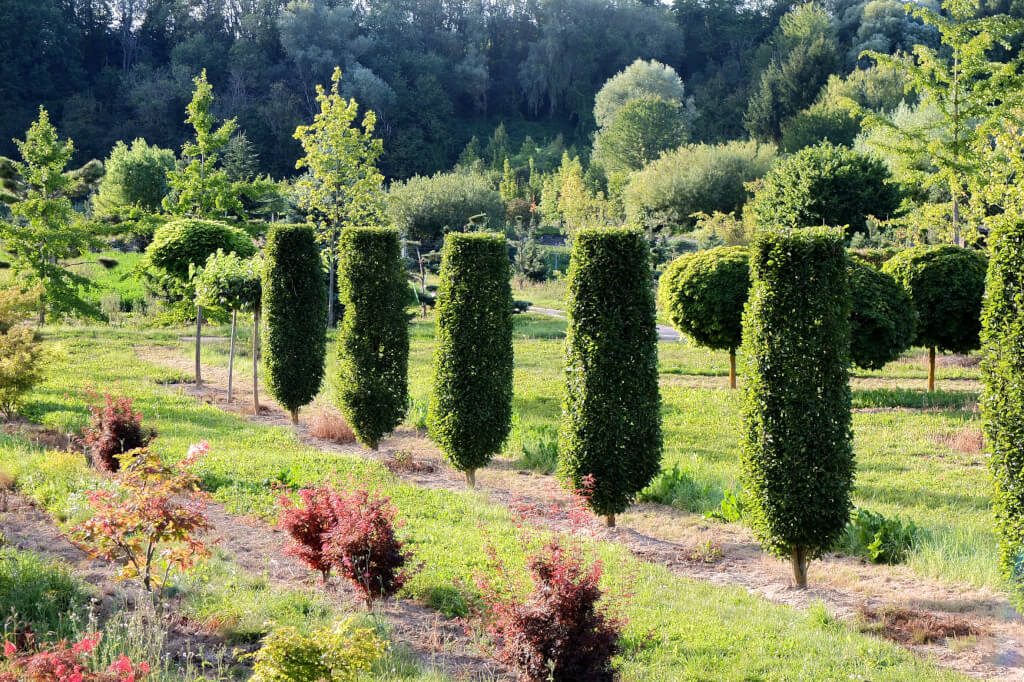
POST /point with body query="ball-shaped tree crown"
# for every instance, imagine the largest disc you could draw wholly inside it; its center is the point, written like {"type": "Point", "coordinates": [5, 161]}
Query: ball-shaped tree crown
{"type": "Point", "coordinates": [882, 316]}
{"type": "Point", "coordinates": [704, 294]}
{"type": "Point", "coordinates": [181, 246]}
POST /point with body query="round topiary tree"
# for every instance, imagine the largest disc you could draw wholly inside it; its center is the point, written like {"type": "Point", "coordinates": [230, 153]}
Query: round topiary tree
{"type": "Point", "coordinates": [232, 283]}
{"type": "Point", "coordinates": [797, 453]}
{"type": "Point", "coordinates": [1002, 403]}
{"type": "Point", "coordinates": [180, 247]}
{"type": "Point", "coordinates": [882, 317]}
{"type": "Point", "coordinates": [373, 346]}
{"type": "Point", "coordinates": [470, 411]}
{"type": "Point", "coordinates": [704, 294]}
{"type": "Point", "coordinates": [610, 438]}
{"type": "Point", "coordinates": [946, 284]}
{"type": "Point", "coordinates": [294, 316]}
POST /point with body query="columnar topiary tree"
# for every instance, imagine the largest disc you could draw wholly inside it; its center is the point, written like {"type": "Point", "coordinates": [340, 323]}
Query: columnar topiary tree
{"type": "Point", "coordinates": [294, 316]}
{"type": "Point", "coordinates": [1002, 403]}
{"type": "Point", "coordinates": [946, 284]}
{"type": "Point", "coordinates": [704, 293]}
{"type": "Point", "coordinates": [610, 438]}
{"type": "Point", "coordinates": [373, 348]}
{"type": "Point", "coordinates": [882, 318]}
{"type": "Point", "coordinates": [797, 452]}
{"type": "Point", "coordinates": [471, 399]}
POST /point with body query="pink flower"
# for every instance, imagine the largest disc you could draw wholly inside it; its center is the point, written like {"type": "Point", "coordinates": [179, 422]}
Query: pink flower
{"type": "Point", "coordinates": [198, 449]}
{"type": "Point", "coordinates": [9, 649]}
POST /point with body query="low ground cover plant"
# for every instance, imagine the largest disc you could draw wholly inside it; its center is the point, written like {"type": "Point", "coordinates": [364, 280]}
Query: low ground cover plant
{"type": "Point", "coordinates": [338, 653]}
{"type": "Point", "coordinates": [115, 428]}
{"type": "Point", "coordinates": [880, 539]}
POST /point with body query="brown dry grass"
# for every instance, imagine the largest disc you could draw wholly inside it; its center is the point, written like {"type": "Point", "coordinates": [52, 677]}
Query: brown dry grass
{"type": "Point", "coordinates": [967, 439]}
{"type": "Point", "coordinates": [332, 427]}
{"type": "Point", "coordinates": [908, 626]}
{"type": "Point", "coordinates": [954, 360]}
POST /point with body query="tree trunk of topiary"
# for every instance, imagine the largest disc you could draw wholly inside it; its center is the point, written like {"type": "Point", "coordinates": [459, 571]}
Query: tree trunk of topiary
{"type": "Point", "coordinates": [471, 478]}
{"type": "Point", "coordinates": [295, 416]}
{"type": "Point", "coordinates": [732, 368]}
{"type": "Point", "coordinates": [256, 360]}
{"type": "Point", "coordinates": [931, 369]}
{"type": "Point", "coordinates": [231, 353]}
{"type": "Point", "coordinates": [610, 520]}
{"type": "Point", "coordinates": [199, 342]}
{"type": "Point", "coordinates": [798, 558]}
{"type": "Point", "coordinates": [331, 268]}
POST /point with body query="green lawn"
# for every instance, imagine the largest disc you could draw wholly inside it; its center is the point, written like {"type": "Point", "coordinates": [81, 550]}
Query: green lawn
{"type": "Point", "coordinates": [678, 628]}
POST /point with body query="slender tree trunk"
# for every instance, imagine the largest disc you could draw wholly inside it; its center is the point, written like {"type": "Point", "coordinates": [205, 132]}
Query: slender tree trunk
{"type": "Point", "coordinates": [732, 368]}
{"type": "Point", "coordinates": [256, 360]}
{"type": "Point", "coordinates": [610, 520]}
{"type": "Point", "coordinates": [798, 558]}
{"type": "Point", "coordinates": [231, 353]}
{"type": "Point", "coordinates": [295, 416]}
{"type": "Point", "coordinates": [330, 288]}
{"type": "Point", "coordinates": [199, 345]}
{"type": "Point", "coordinates": [957, 240]}
{"type": "Point", "coordinates": [471, 478]}
{"type": "Point", "coordinates": [931, 369]}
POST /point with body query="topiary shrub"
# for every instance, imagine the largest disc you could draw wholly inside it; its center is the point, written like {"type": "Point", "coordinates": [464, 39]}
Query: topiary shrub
{"type": "Point", "coordinates": [610, 432]}
{"type": "Point", "coordinates": [340, 653]}
{"type": "Point", "coordinates": [946, 284]}
{"type": "Point", "coordinates": [294, 310]}
{"type": "Point", "coordinates": [373, 346]}
{"type": "Point", "coordinates": [797, 451]}
{"type": "Point", "coordinates": [1002, 402]}
{"type": "Point", "coordinates": [882, 316]}
{"type": "Point", "coordinates": [116, 428]}
{"type": "Point", "coordinates": [704, 294]}
{"type": "Point", "coordinates": [470, 410]}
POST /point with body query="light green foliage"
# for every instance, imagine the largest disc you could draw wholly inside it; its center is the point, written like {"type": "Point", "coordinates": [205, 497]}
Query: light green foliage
{"type": "Point", "coordinates": [373, 348]}
{"type": "Point", "coordinates": [1003, 399]}
{"type": "Point", "coordinates": [333, 654]}
{"type": "Point", "coordinates": [946, 284]}
{"type": "Point", "coordinates": [639, 79]}
{"type": "Point", "coordinates": [44, 228]}
{"type": "Point", "coordinates": [199, 187]}
{"type": "Point", "coordinates": [423, 208]}
{"type": "Point", "coordinates": [825, 185]}
{"type": "Point", "coordinates": [229, 282]}
{"type": "Point", "coordinates": [470, 400]}
{"type": "Point", "coordinates": [641, 130]}
{"type": "Point", "coordinates": [509, 185]}
{"type": "Point", "coordinates": [797, 453]}
{"type": "Point", "coordinates": [696, 179]}
{"type": "Point", "coordinates": [294, 309]}
{"type": "Point", "coordinates": [136, 177]}
{"type": "Point", "coordinates": [40, 596]}
{"type": "Point", "coordinates": [821, 121]}
{"type": "Point", "coordinates": [704, 294]}
{"type": "Point", "coordinates": [21, 355]}
{"type": "Point", "coordinates": [180, 247]}
{"type": "Point", "coordinates": [882, 540]}
{"type": "Point", "coordinates": [611, 408]}
{"type": "Point", "coordinates": [882, 318]}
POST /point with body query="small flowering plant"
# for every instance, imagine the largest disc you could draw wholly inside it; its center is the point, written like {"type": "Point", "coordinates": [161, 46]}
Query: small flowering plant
{"type": "Point", "coordinates": [152, 522]}
{"type": "Point", "coordinates": [64, 662]}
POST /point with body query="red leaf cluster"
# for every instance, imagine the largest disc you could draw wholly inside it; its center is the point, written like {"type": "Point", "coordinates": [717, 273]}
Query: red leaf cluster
{"type": "Point", "coordinates": [559, 633]}
{"type": "Point", "coordinates": [64, 662]}
{"type": "Point", "coordinates": [307, 524]}
{"type": "Point", "coordinates": [116, 428]}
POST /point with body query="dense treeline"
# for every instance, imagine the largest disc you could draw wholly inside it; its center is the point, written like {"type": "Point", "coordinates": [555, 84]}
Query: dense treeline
{"type": "Point", "coordinates": [437, 73]}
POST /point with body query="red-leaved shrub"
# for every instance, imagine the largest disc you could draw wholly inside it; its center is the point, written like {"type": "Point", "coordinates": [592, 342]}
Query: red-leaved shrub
{"type": "Point", "coordinates": [64, 662]}
{"type": "Point", "coordinates": [363, 547]}
{"type": "Point", "coordinates": [116, 428]}
{"type": "Point", "coordinates": [307, 525]}
{"type": "Point", "coordinates": [559, 633]}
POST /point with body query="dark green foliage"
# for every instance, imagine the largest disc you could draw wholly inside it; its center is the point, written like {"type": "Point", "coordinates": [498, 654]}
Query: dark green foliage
{"type": "Point", "coordinates": [825, 185]}
{"type": "Point", "coordinates": [882, 318]}
{"type": "Point", "coordinates": [881, 540]}
{"type": "Point", "coordinates": [818, 123]}
{"type": "Point", "coordinates": [181, 246]}
{"type": "Point", "coordinates": [294, 316]}
{"type": "Point", "coordinates": [797, 451]}
{"type": "Point", "coordinates": [471, 397]}
{"type": "Point", "coordinates": [1002, 403]}
{"type": "Point", "coordinates": [373, 348]}
{"type": "Point", "coordinates": [425, 207]}
{"type": "Point", "coordinates": [611, 410]}
{"type": "Point", "coordinates": [946, 284]}
{"type": "Point", "coordinates": [704, 293]}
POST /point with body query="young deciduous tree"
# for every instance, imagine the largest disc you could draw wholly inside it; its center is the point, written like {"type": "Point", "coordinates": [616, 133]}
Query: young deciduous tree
{"type": "Point", "coordinates": [797, 452]}
{"type": "Point", "coordinates": [946, 284]}
{"type": "Point", "coordinates": [294, 317]}
{"type": "Point", "coordinates": [136, 177]}
{"type": "Point", "coordinates": [373, 348]}
{"type": "Point", "coordinates": [610, 438]}
{"type": "Point", "coordinates": [704, 294]}
{"type": "Point", "coordinates": [470, 411]}
{"type": "Point", "coordinates": [343, 187]}
{"type": "Point", "coordinates": [45, 229]}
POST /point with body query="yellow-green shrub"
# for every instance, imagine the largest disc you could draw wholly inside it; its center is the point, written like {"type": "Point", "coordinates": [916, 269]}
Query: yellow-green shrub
{"type": "Point", "coordinates": [333, 654]}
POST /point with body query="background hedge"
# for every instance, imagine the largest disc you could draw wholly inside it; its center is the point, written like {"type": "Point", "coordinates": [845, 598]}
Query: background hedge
{"type": "Point", "coordinates": [611, 410]}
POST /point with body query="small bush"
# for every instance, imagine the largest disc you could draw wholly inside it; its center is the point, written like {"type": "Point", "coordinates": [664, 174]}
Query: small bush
{"type": "Point", "coordinates": [677, 488]}
{"type": "Point", "coordinates": [331, 427]}
{"type": "Point", "coordinates": [363, 546]}
{"type": "Point", "coordinates": [880, 539]}
{"type": "Point", "coordinates": [559, 633]}
{"type": "Point", "coordinates": [116, 428]}
{"type": "Point", "coordinates": [307, 525]}
{"type": "Point", "coordinates": [732, 508]}
{"type": "Point", "coordinates": [21, 355]}
{"type": "Point", "coordinates": [66, 662]}
{"type": "Point", "coordinates": [336, 654]}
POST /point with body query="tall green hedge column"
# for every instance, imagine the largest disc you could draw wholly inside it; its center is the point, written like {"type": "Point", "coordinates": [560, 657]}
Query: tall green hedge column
{"type": "Point", "coordinates": [471, 399]}
{"type": "Point", "coordinates": [797, 444]}
{"type": "Point", "coordinates": [1002, 404]}
{"type": "Point", "coordinates": [373, 349]}
{"type": "Point", "coordinates": [294, 317]}
{"type": "Point", "coordinates": [610, 437]}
